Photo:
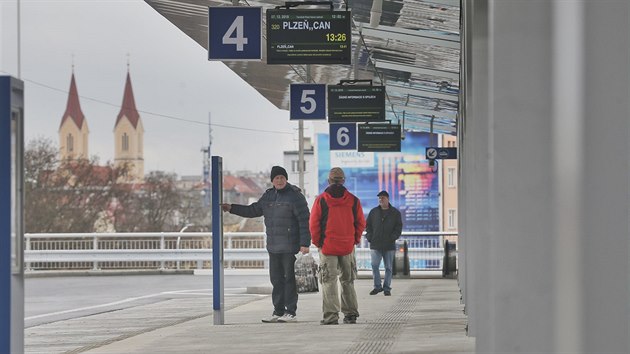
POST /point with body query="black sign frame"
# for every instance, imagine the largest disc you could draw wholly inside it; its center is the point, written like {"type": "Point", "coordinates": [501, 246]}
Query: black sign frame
{"type": "Point", "coordinates": [379, 138]}
{"type": "Point", "coordinates": [309, 36]}
{"type": "Point", "coordinates": [356, 103]}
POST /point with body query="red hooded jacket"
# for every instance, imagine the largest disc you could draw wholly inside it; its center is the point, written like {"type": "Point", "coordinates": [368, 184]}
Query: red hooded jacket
{"type": "Point", "coordinates": [336, 224]}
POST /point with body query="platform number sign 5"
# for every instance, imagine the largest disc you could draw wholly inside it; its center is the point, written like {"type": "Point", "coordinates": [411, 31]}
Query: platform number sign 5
{"type": "Point", "coordinates": [308, 101]}
{"type": "Point", "coordinates": [343, 136]}
{"type": "Point", "coordinates": [234, 33]}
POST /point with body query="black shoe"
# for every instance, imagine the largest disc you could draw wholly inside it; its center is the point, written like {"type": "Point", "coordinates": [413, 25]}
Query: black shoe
{"type": "Point", "coordinates": [350, 319]}
{"type": "Point", "coordinates": [375, 291]}
{"type": "Point", "coordinates": [322, 322]}
{"type": "Point", "coordinates": [388, 293]}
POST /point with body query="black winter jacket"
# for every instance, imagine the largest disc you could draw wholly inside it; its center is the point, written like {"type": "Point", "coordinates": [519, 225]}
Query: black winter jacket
{"type": "Point", "coordinates": [383, 229]}
{"type": "Point", "coordinates": [286, 218]}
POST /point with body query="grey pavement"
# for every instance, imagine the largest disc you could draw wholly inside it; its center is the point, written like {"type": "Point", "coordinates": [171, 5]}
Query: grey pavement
{"type": "Point", "coordinates": [421, 316]}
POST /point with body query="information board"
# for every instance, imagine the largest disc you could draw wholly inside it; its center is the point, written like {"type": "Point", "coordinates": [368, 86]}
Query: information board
{"type": "Point", "coordinates": [379, 137]}
{"type": "Point", "coordinates": [308, 36]}
{"type": "Point", "coordinates": [348, 103]}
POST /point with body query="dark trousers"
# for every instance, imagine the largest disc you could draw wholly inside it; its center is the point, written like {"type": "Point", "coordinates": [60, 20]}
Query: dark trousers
{"type": "Point", "coordinates": [282, 274]}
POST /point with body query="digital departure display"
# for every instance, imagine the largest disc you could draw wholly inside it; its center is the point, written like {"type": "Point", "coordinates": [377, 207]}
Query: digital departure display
{"type": "Point", "coordinates": [379, 137]}
{"type": "Point", "coordinates": [308, 36]}
{"type": "Point", "coordinates": [348, 103]}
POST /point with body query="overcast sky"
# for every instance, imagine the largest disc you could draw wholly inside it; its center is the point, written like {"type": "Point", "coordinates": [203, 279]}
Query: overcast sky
{"type": "Point", "coordinates": [170, 75]}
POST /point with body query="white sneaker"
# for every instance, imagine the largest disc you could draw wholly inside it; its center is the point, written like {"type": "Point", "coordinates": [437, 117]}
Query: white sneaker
{"type": "Point", "coordinates": [287, 318]}
{"type": "Point", "coordinates": [273, 319]}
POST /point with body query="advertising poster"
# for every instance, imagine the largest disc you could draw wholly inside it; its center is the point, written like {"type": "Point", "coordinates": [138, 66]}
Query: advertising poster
{"type": "Point", "coordinates": [405, 175]}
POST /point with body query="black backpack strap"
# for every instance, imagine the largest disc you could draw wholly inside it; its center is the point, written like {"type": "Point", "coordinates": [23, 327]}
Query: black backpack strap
{"type": "Point", "coordinates": [354, 211]}
{"type": "Point", "coordinates": [323, 220]}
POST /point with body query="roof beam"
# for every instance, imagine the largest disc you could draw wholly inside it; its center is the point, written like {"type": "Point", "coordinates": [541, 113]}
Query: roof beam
{"type": "Point", "coordinates": [426, 126]}
{"type": "Point", "coordinates": [412, 36]}
{"type": "Point", "coordinates": [426, 112]}
{"type": "Point", "coordinates": [422, 92]}
{"type": "Point", "coordinates": [453, 3]}
{"type": "Point", "coordinates": [415, 69]}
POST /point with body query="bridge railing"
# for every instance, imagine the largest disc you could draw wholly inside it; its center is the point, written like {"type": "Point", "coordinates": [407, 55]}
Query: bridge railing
{"type": "Point", "coordinates": [191, 250]}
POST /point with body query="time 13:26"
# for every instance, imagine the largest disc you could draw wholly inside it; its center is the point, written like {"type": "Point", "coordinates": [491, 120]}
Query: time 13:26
{"type": "Point", "coordinates": [335, 37]}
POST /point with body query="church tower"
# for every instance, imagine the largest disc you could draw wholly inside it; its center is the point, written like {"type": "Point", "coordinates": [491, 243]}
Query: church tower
{"type": "Point", "coordinates": [73, 131]}
{"type": "Point", "coordinates": [129, 136]}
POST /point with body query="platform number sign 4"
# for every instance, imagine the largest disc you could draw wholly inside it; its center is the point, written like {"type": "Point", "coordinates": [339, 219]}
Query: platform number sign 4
{"type": "Point", "coordinates": [343, 136]}
{"type": "Point", "coordinates": [234, 33]}
{"type": "Point", "coordinates": [308, 101]}
{"type": "Point", "coordinates": [236, 30]}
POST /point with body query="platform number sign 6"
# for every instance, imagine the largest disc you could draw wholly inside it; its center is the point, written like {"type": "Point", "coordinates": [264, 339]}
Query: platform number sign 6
{"type": "Point", "coordinates": [343, 136]}
{"type": "Point", "coordinates": [234, 33]}
{"type": "Point", "coordinates": [308, 101]}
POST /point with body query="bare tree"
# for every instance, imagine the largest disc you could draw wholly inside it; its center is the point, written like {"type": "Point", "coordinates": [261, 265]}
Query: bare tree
{"type": "Point", "coordinates": [192, 211]}
{"type": "Point", "coordinates": [158, 205]}
{"type": "Point", "coordinates": [64, 196]}
{"type": "Point", "coordinates": [80, 196]}
{"type": "Point", "coordinates": [159, 201]}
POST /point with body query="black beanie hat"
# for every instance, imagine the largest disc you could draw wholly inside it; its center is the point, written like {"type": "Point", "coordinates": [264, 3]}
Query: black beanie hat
{"type": "Point", "coordinates": [276, 171]}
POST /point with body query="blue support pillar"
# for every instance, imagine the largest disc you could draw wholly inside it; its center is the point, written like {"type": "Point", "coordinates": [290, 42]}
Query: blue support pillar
{"type": "Point", "coordinates": [11, 221]}
{"type": "Point", "coordinates": [217, 241]}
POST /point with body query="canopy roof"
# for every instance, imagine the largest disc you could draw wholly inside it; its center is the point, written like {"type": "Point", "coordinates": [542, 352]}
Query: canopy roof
{"type": "Point", "coordinates": [410, 46]}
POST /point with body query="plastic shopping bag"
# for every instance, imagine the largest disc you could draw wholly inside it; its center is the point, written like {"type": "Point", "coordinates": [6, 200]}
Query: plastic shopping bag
{"type": "Point", "coordinates": [306, 273]}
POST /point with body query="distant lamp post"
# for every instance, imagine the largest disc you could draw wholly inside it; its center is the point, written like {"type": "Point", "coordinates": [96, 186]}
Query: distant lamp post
{"type": "Point", "coordinates": [179, 238]}
{"type": "Point", "coordinates": [184, 229]}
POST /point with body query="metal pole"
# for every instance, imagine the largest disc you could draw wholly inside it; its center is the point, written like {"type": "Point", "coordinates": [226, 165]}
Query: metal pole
{"type": "Point", "coordinates": [217, 241]}
{"type": "Point", "coordinates": [301, 140]}
{"type": "Point", "coordinates": [19, 40]}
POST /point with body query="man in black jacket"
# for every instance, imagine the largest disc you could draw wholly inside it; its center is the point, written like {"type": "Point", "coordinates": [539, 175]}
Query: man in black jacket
{"type": "Point", "coordinates": [384, 226]}
{"type": "Point", "coordinates": [286, 221]}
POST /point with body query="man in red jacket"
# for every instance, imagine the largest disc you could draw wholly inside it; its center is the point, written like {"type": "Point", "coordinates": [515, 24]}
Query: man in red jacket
{"type": "Point", "coordinates": [336, 225]}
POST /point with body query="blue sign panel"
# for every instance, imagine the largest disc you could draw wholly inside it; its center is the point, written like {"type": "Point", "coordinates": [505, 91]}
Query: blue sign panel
{"type": "Point", "coordinates": [308, 101]}
{"type": "Point", "coordinates": [234, 33]}
{"type": "Point", "coordinates": [343, 136]}
{"type": "Point", "coordinates": [439, 153]}
{"type": "Point", "coordinates": [11, 217]}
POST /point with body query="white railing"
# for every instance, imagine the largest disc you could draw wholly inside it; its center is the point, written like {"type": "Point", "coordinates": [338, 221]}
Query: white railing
{"type": "Point", "coordinates": [174, 250]}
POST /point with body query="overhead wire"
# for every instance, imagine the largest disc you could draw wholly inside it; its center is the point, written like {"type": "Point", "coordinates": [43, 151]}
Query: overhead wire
{"type": "Point", "coordinates": [156, 114]}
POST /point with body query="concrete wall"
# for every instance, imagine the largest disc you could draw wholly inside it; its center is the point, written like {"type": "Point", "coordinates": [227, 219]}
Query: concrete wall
{"type": "Point", "coordinates": [544, 190]}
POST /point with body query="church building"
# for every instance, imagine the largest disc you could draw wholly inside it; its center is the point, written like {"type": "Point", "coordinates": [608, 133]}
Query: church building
{"type": "Point", "coordinates": [129, 136]}
{"type": "Point", "coordinates": [128, 133]}
{"type": "Point", "coordinates": [73, 131]}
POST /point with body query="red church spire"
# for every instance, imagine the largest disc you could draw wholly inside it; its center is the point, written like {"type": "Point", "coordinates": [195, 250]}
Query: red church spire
{"type": "Point", "coordinates": [73, 107]}
{"type": "Point", "coordinates": [128, 108]}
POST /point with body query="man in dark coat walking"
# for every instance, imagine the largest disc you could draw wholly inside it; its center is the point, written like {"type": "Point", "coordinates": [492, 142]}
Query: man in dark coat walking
{"type": "Point", "coordinates": [384, 226]}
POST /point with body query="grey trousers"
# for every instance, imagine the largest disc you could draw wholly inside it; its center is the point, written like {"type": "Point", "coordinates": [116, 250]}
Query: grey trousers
{"type": "Point", "coordinates": [343, 268]}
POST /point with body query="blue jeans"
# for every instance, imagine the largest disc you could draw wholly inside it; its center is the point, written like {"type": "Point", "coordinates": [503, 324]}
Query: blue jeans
{"type": "Point", "coordinates": [282, 273]}
{"type": "Point", "coordinates": [388, 260]}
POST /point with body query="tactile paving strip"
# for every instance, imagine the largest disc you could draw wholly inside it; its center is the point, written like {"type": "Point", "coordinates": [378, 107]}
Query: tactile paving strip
{"type": "Point", "coordinates": [380, 335]}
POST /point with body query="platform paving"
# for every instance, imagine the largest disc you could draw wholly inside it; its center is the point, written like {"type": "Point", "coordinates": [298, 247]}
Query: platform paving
{"type": "Point", "coordinates": [421, 316]}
